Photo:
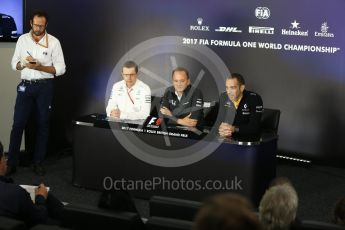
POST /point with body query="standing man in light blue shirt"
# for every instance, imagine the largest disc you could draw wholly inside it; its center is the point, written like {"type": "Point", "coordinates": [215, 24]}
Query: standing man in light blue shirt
{"type": "Point", "coordinates": [39, 57]}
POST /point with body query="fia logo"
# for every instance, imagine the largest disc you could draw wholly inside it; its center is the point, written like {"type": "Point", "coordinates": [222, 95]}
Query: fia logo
{"type": "Point", "coordinates": [262, 12]}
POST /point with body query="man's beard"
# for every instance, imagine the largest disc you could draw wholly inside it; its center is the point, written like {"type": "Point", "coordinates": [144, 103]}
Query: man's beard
{"type": "Point", "coordinates": [38, 33]}
{"type": "Point", "coordinates": [231, 96]}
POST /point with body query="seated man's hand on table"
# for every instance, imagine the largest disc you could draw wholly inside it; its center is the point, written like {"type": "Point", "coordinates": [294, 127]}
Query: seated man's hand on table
{"type": "Point", "coordinates": [165, 111]}
{"type": "Point", "coordinates": [115, 113]}
{"type": "Point", "coordinates": [226, 130]}
{"type": "Point", "coordinates": [187, 121]}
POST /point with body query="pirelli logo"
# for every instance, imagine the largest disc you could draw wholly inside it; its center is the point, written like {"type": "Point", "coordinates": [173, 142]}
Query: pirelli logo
{"type": "Point", "coordinates": [261, 30]}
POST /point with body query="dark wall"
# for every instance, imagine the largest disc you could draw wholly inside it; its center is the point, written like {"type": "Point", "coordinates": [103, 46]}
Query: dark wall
{"type": "Point", "coordinates": [308, 87]}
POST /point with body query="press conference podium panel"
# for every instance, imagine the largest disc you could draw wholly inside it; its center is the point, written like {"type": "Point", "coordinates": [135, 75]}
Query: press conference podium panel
{"type": "Point", "coordinates": [237, 166]}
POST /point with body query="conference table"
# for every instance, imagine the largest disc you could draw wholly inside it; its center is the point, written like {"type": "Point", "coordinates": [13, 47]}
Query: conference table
{"type": "Point", "coordinates": [149, 158]}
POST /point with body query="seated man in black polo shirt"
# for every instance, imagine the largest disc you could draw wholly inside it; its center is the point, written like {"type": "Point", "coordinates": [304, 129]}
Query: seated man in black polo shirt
{"type": "Point", "coordinates": [245, 106]}
{"type": "Point", "coordinates": [182, 103]}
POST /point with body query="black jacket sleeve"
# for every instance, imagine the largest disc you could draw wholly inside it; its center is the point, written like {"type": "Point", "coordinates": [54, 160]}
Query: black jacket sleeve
{"type": "Point", "coordinates": [165, 99]}
{"type": "Point", "coordinates": [221, 111]}
{"type": "Point", "coordinates": [165, 103]}
{"type": "Point", "coordinates": [197, 104]}
{"type": "Point", "coordinates": [32, 213]}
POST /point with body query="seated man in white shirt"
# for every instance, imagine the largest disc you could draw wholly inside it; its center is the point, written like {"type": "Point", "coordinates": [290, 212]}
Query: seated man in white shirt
{"type": "Point", "coordinates": [130, 98]}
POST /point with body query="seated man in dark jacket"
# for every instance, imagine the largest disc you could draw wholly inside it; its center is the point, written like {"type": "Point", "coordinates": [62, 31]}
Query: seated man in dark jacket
{"type": "Point", "coordinates": [15, 202]}
{"type": "Point", "coordinates": [182, 103]}
{"type": "Point", "coordinates": [243, 106]}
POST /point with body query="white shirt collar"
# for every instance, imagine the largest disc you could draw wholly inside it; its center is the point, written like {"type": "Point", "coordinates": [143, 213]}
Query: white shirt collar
{"type": "Point", "coordinates": [178, 97]}
{"type": "Point", "coordinates": [43, 41]}
{"type": "Point", "coordinates": [133, 87]}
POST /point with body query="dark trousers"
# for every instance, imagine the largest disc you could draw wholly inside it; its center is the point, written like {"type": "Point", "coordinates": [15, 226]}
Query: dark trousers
{"type": "Point", "coordinates": [31, 96]}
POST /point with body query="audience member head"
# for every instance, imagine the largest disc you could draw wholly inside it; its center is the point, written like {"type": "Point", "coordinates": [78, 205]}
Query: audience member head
{"type": "Point", "coordinates": [278, 207]}
{"type": "Point", "coordinates": [226, 211]}
{"type": "Point", "coordinates": [3, 163]}
{"type": "Point", "coordinates": [339, 212]}
{"type": "Point", "coordinates": [280, 181]}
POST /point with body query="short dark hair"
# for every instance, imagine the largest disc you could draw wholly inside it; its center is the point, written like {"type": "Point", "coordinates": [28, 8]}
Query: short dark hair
{"type": "Point", "coordinates": [178, 69]}
{"type": "Point", "coordinates": [1, 150]}
{"type": "Point", "coordinates": [39, 13]}
{"type": "Point", "coordinates": [239, 78]}
{"type": "Point", "coordinates": [131, 64]}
